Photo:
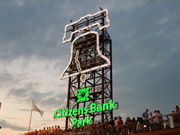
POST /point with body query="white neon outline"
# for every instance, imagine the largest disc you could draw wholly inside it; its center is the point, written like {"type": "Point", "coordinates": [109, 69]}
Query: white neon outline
{"type": "Point", "coordinates": [77, 61]}
{"type": "Point", "coordinates": [63, 76]}
{"type": "Point", "coordinates": [88, 27]}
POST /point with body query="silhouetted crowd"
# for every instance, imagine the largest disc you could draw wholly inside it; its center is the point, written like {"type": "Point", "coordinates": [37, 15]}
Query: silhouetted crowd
{"type": "Point", "coordinates": [147, 122]}
{"type": "Point", "coordinates": [48, 131]}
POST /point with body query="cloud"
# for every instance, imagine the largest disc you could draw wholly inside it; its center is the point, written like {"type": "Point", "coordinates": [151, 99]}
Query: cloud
{"type": "Point", "coordinates": [28, 93]}
{"type": "Point", "coordinates": [19, 3]}
{"type": "Point", "coordinates": [122, 5]}
{"type": "Point", "coordinates": [145, 62]}
{"type": "Point", "coordinates": [31, 30]}
{"type": "Point", "coordinates": [6, 78]}
{"type": "Point", "coordinates": [33, 78]}
{"type": "Point", "coordinates": [24, 110]}
{"type": "Point", "coordinates": [6, 124]}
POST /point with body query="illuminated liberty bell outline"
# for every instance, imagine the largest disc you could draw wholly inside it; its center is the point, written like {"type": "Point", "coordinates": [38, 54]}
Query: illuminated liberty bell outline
{"type": "Point", "coordinates": [82, 32]}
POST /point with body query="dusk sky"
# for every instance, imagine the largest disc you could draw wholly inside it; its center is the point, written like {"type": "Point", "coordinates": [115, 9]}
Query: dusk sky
{"type": "Point", "coordinates": [146, 57]}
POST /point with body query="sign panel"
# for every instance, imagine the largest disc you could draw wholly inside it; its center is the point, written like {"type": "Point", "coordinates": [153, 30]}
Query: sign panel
{"type": "Point", "coordinates": [82, 96]}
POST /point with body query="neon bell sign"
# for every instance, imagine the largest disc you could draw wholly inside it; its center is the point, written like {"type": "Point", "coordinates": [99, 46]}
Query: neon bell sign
{"type": "Point", "coordinates": [81, 39]}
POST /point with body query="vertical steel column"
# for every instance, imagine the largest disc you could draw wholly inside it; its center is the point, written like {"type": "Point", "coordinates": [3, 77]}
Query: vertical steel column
{"type": "Point", "coordinates": [102, 88]}
{"type": "Point", "coordinates": [68, 101]}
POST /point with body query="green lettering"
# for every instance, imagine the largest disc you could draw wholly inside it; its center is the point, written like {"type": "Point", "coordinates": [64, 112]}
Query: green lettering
{"type": "Point", "coordinates": [83, 122]}
{"type": "Point", "coordinates": [79, 123]}
{"type": "Point", "coordinates": [80, 111]}
{"type": "Point", "coordinates": [75, 111]}
{"type": "Point", "coordinates": [111, 105]}
{"type": "Point", "coordinates": [85, 110]}
{"type": "Point", "coordinates": [99, 108]}
{"type": "Point", "coordinates": [64, 113]}
{"type": "Point", "coordinates": [105, 106]}
{"type": "Point", "coordinates": [57, 113]}
{"type": "Point", "coordinates": [70, 112]}
{"type": "Point", "coordinates": [74, 121]}
{"type": "Point", "coordinates": [88, 120]}
{"type": "Point", "coordinates": [93, 107]}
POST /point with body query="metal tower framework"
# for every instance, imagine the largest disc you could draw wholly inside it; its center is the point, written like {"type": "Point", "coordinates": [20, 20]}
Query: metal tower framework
{"type": "Point", "coordinates": [100, 80]}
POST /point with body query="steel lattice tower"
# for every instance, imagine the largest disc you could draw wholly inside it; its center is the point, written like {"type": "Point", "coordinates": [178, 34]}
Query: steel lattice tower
{"type": "Point", "coordinates": [99, 80]}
